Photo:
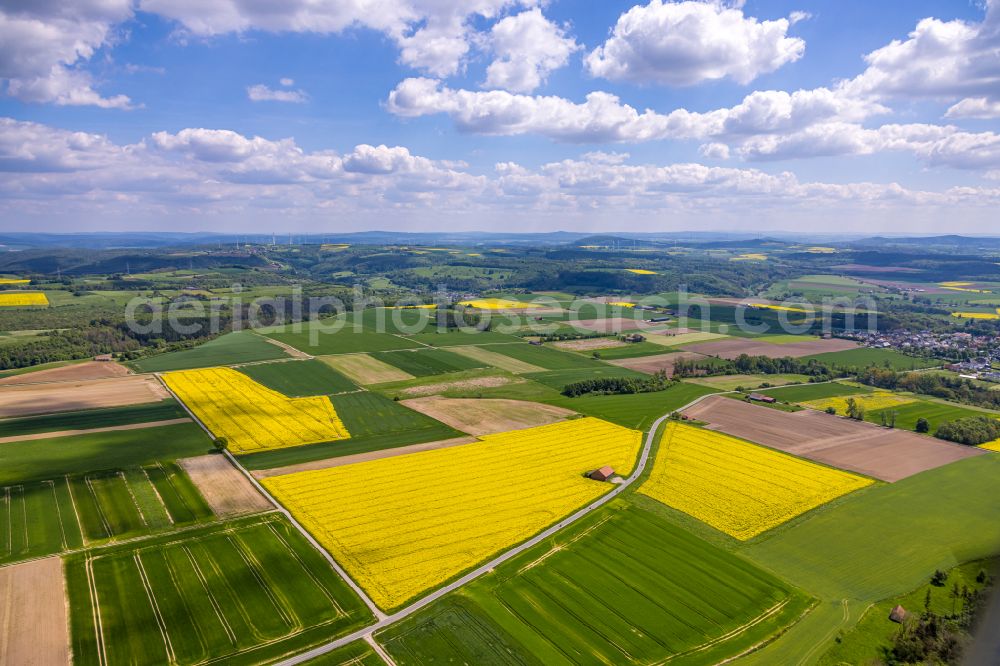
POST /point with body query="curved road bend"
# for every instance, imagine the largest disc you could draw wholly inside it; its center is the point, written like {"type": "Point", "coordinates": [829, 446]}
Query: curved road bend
{"type": "Point", "coordinates": [387, 620]}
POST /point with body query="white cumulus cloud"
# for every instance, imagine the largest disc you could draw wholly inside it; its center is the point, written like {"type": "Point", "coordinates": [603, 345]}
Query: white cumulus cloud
{"type": "Point", "coordinates": [528, 47]}
{"type": "Point", "coordinates": [263, 93]}
{"type": "Point", "coordinates": [684, 43]}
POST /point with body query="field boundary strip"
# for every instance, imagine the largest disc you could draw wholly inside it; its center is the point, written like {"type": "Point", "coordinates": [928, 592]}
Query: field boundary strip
{"type": "Point", "coordinates": [385, 621]}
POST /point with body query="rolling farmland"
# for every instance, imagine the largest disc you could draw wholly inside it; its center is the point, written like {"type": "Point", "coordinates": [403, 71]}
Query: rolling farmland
{"type": "Point", "coordinates": [622, 586]}
{"type": "Point", "coordinates": [498, 491]}
{"type": "Point", "coordinates": [249, 591]}
{"type": "Point", "coordinates": [237, 347]}
{"type": "Point", "coordinates": [427, 362]}
{"type": "Point", "coordinates": [297, 379]}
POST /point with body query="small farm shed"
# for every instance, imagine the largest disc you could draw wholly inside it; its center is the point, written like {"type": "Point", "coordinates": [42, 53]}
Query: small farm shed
{"type": "Point", "coordinates": [898, 614]}
{"type": "Point", "coordinates": [760, 397]}
{"type": "Point", "coordinates": [602, 474]}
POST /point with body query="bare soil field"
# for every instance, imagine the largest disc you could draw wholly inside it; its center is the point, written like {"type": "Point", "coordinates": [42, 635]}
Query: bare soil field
{"type": "Point", "coordinates": [589, 344]}
{"type": "Point", "coordinates": [70, 373]}
{"type": "Point", "coordinates": [733, 347]}
{"type": "Point", "coordinates": [76, 395]}
{"type": "Point", "coordinates": [889, 455]}
{"type": "Point", "coordinates": [487, 415]}
{"type": "Point", "coordinates": [508, 363]}
{"type": "Point", "coordinates": [653, 364]}
{"type": "Point", "coordinates": [224, 487]}
{"type": "Point", "coordinates": [362, 457]}
{"type": "Point", "coordinates": [33, 623]}
{"type": "Point", "coordinates": [609, 324]}
{"type": "Point", "coordinates": [462, 384]}
{"type": "Point", "coordinates": [364, 369]}
{"type": "Point", "coordinates": [677, 338]}
{"type": "Point", "coordinates": [89, 431]}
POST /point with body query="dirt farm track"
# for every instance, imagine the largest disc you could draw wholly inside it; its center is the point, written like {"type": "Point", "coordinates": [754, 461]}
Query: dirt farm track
{"type": "Point", "coordinates": [889, 455]}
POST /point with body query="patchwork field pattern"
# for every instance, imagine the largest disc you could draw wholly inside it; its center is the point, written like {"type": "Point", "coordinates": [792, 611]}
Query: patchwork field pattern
{"type": "Point", "coordinates": [403, 525]}
{"type": "Point", "coordinates": [249, 591]}
{"type": "Point", "coordinates": [46, 517]}
{"type": "Point", "coordinates": [621, 586]}
{"type": "Point", "coordinates": [739, 488]}
{"type": "Point", "coordinates": [869, 402]}
{"type": "Point", "coordinates": [251, 416]}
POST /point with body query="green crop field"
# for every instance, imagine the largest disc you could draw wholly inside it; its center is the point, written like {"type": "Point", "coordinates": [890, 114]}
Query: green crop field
{"type": "Point", "coordinates": [460, 338]}
{"type": "Point", "coordinates": [247, 591]}
{"type": "Point", "coordinates": [732, 382]}
{"type": "Point", "coordinates": [357, 653]}
{"type": "Point", "coordinates": [374, 421]}
{"type": "Point", "coordinates": [238, 347]}
{"type": "Point", "coordinates": [315, 338]}
{"type": "Point", "coordinates": [936, 519]}
{"type": "Point", "coordinates": [805, 392]}
{"type": "Point", "coordinates": [42, 459]}
{"type": "Point", "coordinates": [92, 418]}
{"type": "Point", "coordinates": [426, 362]}
{"type": "Point", "coordinates": [635, 410]}
{"type": "Point", "coordinates": [621, 585]}
{"type": "Point", "coordinates": [864, 357]}
{"type": "Point", "coordinates": [299, 378]}
{"type": "Point", "coordinates": [557, 379]}
{"type": "Point", "coordinates": [45, 517]}
{"type": "Point", "coordinates": [935, 412]}
{"type": "Point", "coordinates": [630, 350]}
{"type": "Point", "coordinates": [873, 634]}
{"type": "Point", "coordinates": [546, 357]}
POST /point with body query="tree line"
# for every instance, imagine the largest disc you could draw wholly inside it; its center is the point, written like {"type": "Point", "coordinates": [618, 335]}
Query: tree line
{"type": "Point", "coordinates": [618, 385]}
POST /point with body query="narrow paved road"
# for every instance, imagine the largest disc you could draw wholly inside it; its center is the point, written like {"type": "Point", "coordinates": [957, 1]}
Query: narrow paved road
{"type": "Point", "coordinates": [387, 620]}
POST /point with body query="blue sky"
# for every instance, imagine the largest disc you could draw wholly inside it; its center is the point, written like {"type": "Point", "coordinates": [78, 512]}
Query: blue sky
{"type": "Point", "coordinates": [235, 115]}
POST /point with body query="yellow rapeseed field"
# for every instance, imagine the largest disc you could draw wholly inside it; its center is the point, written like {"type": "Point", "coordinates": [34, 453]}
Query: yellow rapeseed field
{"type": "Point", "coordinates": [821, 250]}
{"type": "Point", "coordinates": [621, 304]}
{"type": "Point", "coordinates": [736, 487]}
{"type": "Point", "coordinates": [779, 308]}
{"type": "Point", "coordinates": [991, 446]}
{"type": "Point", "coordinates": [750, 256]}
{"type": "Point", "coordinates": [976, 315]}
{"type": "Point", "coordinates": [14, 281]}
{"type": "Point", "coordinates": [22, 298]}
{"type": "Point", "coordinates": [641, 271]}
{"type": "Point", "coordinates": [498, 304]}
{"type": "Point", "coordinates": [251, 416]}
{"type": "Point", "coordinates": [428, 306]}
{"type": "Point", "coordinates": [404, 525]}
{"type": "Point", "coordinates": [869, 401]}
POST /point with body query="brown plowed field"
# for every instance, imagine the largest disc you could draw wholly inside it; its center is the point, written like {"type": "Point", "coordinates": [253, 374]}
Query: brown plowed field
{"type": "Point", "coordinates": [878, 452]}
{"type": "Point", "coordinates": [477, 416]}
{"type": "Point", "coordinates": [70, 373]}
{"type": "Point", "coordinates": [655, 363]}
{"type": "Point", "coordinates": [224, 487]}
{"type": "Point", "coordinates": [52, 397]}
{"type": "Point", "coordinates": [733, 347]}
{"type": "Point", "coordinates": [33, 623]}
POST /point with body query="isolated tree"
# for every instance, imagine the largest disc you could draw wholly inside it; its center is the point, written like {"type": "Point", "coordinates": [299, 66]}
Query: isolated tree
{"type": "Point", "coordinates": [892, 419]}
{"type": "Point", "coordinates": [923, 425]}
{"type": "Point", "coordinates": [221, 443]}
{"type": "Point", "coordinates": [831, 410]}
{"type": "Point", "coordinates": [852, 408]}
{"type": "Point", "coordinates": [939, 578]}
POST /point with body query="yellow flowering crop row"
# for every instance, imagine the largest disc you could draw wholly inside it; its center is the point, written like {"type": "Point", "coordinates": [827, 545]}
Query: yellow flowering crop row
{"type": "Point", "coordinates": [404, 525]}
{"type": "Point", "coordinates": [621, 304]}
{"type": "Point", "coordinates": [750, 256]}
{"type": "Point", "coordinates": [819, 249]}
{"type": "Point", "coordinates": [991, 446]}
{"type": "Point", "coordinates": [976, 315]}
{"type": "Point", "coordinates": [498, 304]}
{"type": "Point", "coordinates": [251, 416]}
{"type": "Point", "coordinates": [870, 401]}
{"type": "Point", "coordinates": [641, 271]}
{"type": "Point", "coordinates": [22, 298]}
{"type": "Point", "coordinates": [737, 487]}
{"type": "Point", "coordinates": [779, 308]}
{"type": "Point", "coordinates": [14, 281]}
